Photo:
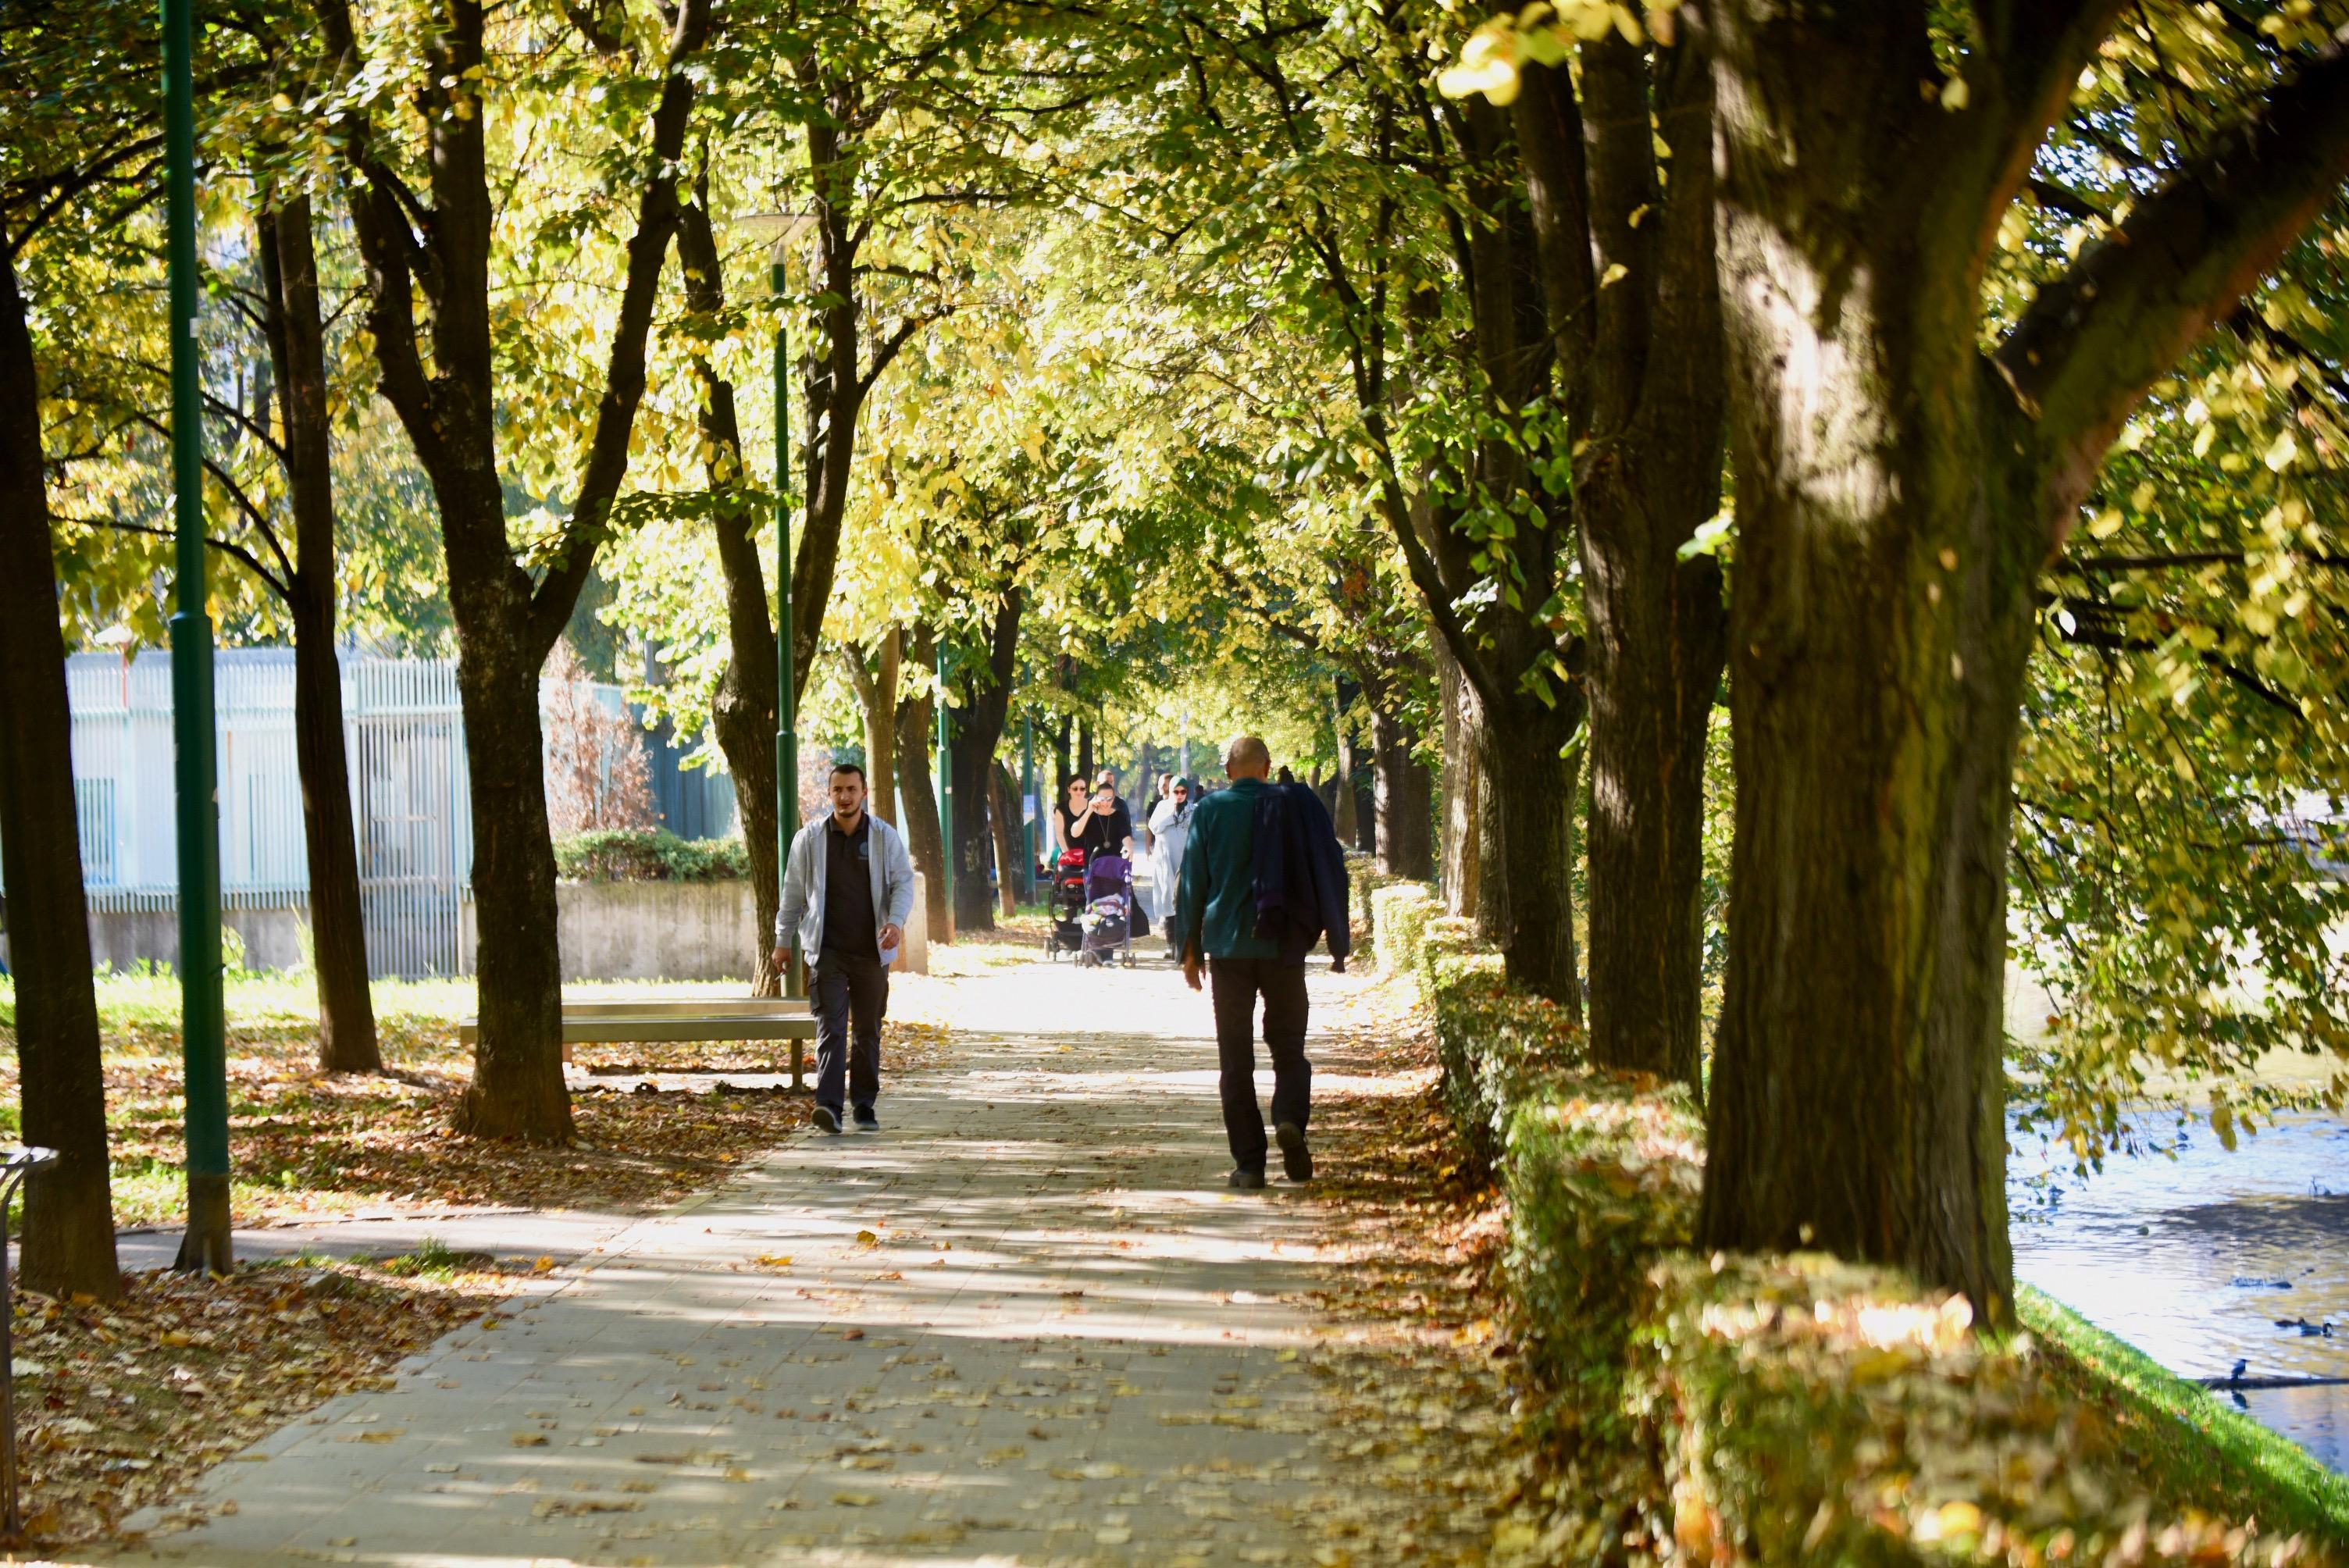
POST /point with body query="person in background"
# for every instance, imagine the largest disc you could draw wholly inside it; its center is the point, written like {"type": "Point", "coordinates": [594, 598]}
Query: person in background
{"type": "Point", "coordinates": [1170, 827]}
{"type": "Point", "coordinates": [1215, 926]}
{"type": "Point", "coordinates": [1106, 828]}
{"type": "Point", "coordinates": [848, 890]}
{"type": "Point", "coordinates": [1072, 806]}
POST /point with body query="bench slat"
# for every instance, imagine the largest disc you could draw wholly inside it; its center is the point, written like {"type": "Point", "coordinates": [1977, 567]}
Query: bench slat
{"type": "Point", "coordinates": [638, 1029]}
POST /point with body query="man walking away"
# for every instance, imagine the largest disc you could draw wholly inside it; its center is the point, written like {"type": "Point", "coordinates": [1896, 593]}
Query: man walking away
{"type": "Point", "coordinates": [1215, 928]}
{"type": "Point", "coordinates": [848, 890]}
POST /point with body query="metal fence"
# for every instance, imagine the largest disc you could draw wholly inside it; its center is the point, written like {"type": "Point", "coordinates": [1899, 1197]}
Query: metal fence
{"type": "Point", "coordinates": [404, 736]}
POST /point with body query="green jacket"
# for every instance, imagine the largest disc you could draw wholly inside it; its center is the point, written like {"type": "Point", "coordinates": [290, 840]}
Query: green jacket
{"type": "Point", "coordinates": [1217, 914]}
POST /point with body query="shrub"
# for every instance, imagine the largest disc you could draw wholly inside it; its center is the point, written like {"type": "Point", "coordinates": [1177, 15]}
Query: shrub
{"type": "Point", "coordinates": [1772, 1409]}
{"type": "Point", "coordinates": [1396, 916]}
{"type": "Point", "coordinates": [647, 854]}
{"type": "Point", "coordinates": [1603, 1172]}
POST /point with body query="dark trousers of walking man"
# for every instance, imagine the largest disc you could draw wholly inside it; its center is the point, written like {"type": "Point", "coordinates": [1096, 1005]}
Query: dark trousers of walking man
{"type": "Point", "coordinates": [849, 994]}
{"type": "Point", "coordinates": [1235, 985]}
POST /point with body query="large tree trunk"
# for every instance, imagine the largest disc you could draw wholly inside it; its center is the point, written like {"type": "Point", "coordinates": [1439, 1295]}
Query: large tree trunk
{"type": "Point", "coordinates": [1880, 627]}
{"type": "Point", "coordinates": [743, 707]}
{"type": "Point", "coordinates": [915, 718]}
{"type": "Point", "coordinates": [1645, 398]}
{"type": "Point", "coordinates": [1463, 788]}
{"type": "Point", "coordinates": [518, 1090]}
{"type": "Point", "coordinates": [68, 1238]}
{"type": "Point", "coordinates": [1403, 792]}
{"type": "Point", "coordinates": [347, 1030]}
{"type": "Point", "coordinates": [1657, 636]}
{"type": "Point", "coordinates": [507, 620]}
{"type": "Point", "coordinates": [1061, 762]}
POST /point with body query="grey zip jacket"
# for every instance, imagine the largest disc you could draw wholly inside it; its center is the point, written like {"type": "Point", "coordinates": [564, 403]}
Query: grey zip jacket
{"type": "Point", "coordinates": [799, 921]}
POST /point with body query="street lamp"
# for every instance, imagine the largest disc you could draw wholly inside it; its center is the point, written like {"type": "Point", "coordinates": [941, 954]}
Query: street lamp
{"type": "Point", "coordinates": [203, 1026]}
{"type": "Point", "coordinates": [785, 231]}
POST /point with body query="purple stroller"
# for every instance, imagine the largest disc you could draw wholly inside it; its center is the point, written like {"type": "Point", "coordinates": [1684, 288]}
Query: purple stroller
{"type": "Point", "coordinates": [1108, 918]}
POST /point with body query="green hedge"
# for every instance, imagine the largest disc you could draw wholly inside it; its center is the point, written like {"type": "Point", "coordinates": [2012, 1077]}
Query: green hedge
{"type": "Point", "coordinates": [1776, 1409]}
{"type": "Point", "coordinates": [647, 854]}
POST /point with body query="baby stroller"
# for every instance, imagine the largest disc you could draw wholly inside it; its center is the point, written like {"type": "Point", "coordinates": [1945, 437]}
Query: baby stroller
{"type": "Point", "coordinates": [1108, 920]}
{"type": "Point", "coordinates": [1068, 904]}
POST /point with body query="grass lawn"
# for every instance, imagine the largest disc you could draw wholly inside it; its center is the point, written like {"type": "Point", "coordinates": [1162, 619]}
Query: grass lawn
{"type": "Point", "coordinates": [2200, 1450]}
{"type": "Point", "coordinates": [306, 1145]}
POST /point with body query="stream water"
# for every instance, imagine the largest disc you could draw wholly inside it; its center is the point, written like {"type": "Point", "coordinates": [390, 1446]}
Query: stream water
{"type": "Point", "coordinates": [2195, 1255]}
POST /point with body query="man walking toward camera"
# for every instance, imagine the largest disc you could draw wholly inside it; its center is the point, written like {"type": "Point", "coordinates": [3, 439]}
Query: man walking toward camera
{"type": "Point", "coordinates": [848, 890]}
{"type": "Point", "coordinates": [1215, 928]}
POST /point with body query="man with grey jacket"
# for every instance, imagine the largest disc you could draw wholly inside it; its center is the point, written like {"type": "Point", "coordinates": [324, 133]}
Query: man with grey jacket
{"type": "Point", "coordinates": [848, 890]}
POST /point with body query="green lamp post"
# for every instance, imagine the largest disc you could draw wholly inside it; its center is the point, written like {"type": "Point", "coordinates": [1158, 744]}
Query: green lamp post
{"type": "Point", "coordinates": [203, 1026]}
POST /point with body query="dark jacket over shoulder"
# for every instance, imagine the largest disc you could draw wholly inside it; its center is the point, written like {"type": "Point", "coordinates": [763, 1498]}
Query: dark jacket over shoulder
{"type": "Point", "coordinates": [1300, 874]}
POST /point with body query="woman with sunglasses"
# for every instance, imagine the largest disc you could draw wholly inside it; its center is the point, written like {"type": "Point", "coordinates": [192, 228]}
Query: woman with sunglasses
{"type": "Point", "coordinates": [1170, 827]}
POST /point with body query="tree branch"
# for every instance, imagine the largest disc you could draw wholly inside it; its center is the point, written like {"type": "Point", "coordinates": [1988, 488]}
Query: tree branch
{"type": "Point", "coordinates": [226, 547]}
{"type": "Point", "coordinates": [2094, 340]}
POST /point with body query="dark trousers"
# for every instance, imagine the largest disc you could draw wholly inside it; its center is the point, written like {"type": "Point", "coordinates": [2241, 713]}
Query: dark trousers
{"type": "Point", "coordinates": [1236, 984]}
{"type": "Point", "coordinates": [849, 995]}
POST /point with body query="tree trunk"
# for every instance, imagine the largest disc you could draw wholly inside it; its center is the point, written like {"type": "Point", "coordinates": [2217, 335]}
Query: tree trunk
{"type": "Point", "coordinates": [1085, 750]}
{"type": "Point", "coordinates": [1061, 762]}
{"type": "Point", "coordinates": [1402, 790]}
{"type": "Point", "coordinates": [507, 619]}
{"type": "Point", "coordinates": [1658, 632]}
{"type": "Point", "coordinates": [1013, 865]}
{"type": "Point", "coordinates": [1464, 788]}
{"type": "Point", "coordinates": [972, 757]}
{"type": "Point", "coordinates": [518, 1090]}
{"type": "Point", "coordinates": [1528, 907]}
{"type": "Point", "coordinates": [347, 1028]}
{"type": "Point", "coordinates": [1341, 814]}
{"type": "Point", "coordinates": [68, 1237]}
{"type": "Point", "coordinates": [978, 731]}
{"type": "Point", "coordinates": [915, 716]}
{"type": "Point", "coordinates": [876, 693]}
{"type": "Point", "coordinates": [1882, 620]}
{"type": "Point", "coordinates": [744, 706]}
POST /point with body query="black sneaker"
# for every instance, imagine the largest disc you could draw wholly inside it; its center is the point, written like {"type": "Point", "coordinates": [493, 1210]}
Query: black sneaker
{"type": "Point", "coordinates": [1296, 1159]}
{"type": "Point", "coordinates": [826, 1118]}
{"type": "Point", "coordinates": [867, 1122]}
{"type": "Point", "coordinates": [1246, 1181]}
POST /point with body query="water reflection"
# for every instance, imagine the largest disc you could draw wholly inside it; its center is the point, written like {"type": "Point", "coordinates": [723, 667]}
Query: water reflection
{"type": "Point", "coordinates": [2195, 1259]}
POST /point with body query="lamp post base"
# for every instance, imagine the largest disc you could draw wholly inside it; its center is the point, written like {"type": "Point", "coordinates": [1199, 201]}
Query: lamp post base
{"type": "Point", "coordinates": [207, 1246]}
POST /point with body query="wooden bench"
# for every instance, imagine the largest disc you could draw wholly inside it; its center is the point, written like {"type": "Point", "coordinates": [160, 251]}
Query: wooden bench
{"type": "Point", "coordinates": [623, 1020]}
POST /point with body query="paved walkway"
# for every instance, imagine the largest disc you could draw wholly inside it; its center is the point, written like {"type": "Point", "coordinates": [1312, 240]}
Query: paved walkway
{"type": "Point", "coordinates": [1026, 1324]}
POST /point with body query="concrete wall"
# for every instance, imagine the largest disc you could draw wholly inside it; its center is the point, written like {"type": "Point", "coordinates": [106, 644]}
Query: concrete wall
{"type": "Point", "coordinates": [674, 931]}
{"type": "Point", "coordinates": [657, 930]}
{"type": "Point", "coordinates": [608, 931]}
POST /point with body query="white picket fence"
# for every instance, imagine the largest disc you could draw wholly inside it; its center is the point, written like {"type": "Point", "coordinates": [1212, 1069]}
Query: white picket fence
{"type": "Point", "coordinates": [404, 736]}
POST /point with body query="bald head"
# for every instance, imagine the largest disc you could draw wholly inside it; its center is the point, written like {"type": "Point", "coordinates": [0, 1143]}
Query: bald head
{"type": "Point", "coordinates": [1248, 756]}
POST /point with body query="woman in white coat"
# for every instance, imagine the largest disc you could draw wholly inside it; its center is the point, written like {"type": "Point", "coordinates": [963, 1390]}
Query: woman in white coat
{"type": "Point", "coordinates": [1170, 825]}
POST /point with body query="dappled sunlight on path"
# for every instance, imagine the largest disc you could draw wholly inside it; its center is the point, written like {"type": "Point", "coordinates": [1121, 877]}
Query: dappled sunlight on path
{"type": "Point", "coordinates": [1027, 1323]}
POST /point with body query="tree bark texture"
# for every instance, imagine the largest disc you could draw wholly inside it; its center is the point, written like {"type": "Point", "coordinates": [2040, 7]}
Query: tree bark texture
{"type": "Point", "coordinates": [978, 731]}
{"type": "Point", "coordinates": [1642, 363]}
{"type": "Point", "coordinates": [347, 1028]}
{"type": "Point", "coordinates": [1464, 788]}
{"type": "Point", "coordinates": [744, 706]}
{"type": "Point", "coordinates": [876, 693]}
{"type": "Point", "coordinates": [916, 717]}
{"type": "Point", "coordinates": [68, 1236]}
{"type": "Point", "coordinates": [1013, 866]}
{"type": "Point", "coordinates": [1898, 493]}
{"type": "Point", "coordinates": [1404, 794]}
{"type": "Point", "coordinates": [507, 621]}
